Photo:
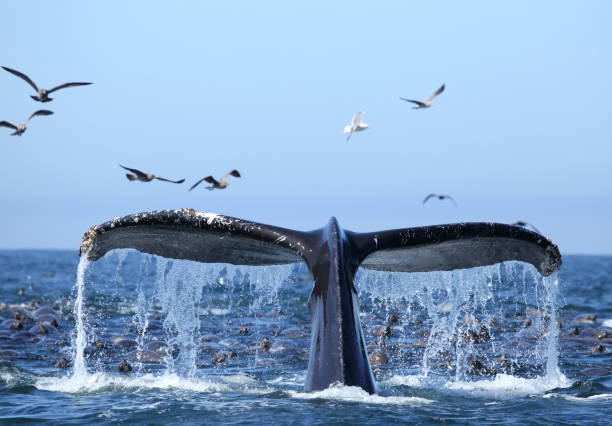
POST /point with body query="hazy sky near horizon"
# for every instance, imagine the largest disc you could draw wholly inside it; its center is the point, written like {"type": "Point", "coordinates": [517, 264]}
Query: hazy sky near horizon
{"type": "Point", "coordinates": [187, 89]}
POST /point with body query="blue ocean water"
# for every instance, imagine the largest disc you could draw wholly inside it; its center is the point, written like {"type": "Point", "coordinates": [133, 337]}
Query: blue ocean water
{"type": "Point", "coordinates": [225, 344]}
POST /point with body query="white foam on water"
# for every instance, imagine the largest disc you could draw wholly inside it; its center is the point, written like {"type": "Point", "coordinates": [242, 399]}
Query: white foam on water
{"type": "Point", "coordinates": [607, 323]}
{"type": "Point", "coordinates": [604, 397]}
{"type": "Point", "coordinates": [505, 386]}
{"type": "Point", "coordinates": [414, 381]}
{"type": "Point", "coordinates": [216, 311]}
{"type": "Point", "coordinates": [9, 378]}
{"type": "Point", "coordinates": [296, 379]}
{"type": "Point", "coordinates": [105, 382]}
{"type": "Point", "coordinates": [357, 394]}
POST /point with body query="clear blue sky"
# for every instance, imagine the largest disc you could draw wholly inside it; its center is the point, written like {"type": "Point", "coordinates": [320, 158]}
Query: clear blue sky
{"type": "Point", "coordinates": [187, 89]}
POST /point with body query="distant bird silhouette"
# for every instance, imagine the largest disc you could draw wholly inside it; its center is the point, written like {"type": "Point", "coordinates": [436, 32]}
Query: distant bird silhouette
{"type": "Point", "coordinates": [427, 103]}
{"type": "Point", "coordinates": [20, 129]}
{"type": "Point", "coordinates": [146, 177]}
{"type": "Point", "coordinates": [42, 95]}
{"type": "Point", "coordinates": [439, 197]}
{"type": "Point", "coordinates": [525, 225]}
{"type": "Point", "coordinates": [356, 125]}
{"type": "Point", "coordinates": [216, 184]}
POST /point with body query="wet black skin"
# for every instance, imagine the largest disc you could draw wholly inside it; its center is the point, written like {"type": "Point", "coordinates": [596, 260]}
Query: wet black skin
{"type": "Point", "coordinates": [338, 353]}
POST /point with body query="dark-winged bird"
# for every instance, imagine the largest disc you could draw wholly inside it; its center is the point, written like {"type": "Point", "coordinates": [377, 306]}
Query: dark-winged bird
{"type": "Point", "coordinates": [427, 103]}
{"type": "Point", "coordinates": [216, 184]}
{"type": "Point", "coordinates": [146, 177]}
{"type": "Point", "coordinates": [20, 129]}
{"type": "Point", "coordinates": [439, 197]}
{"type": "Point", "coordinates": [42, 95]}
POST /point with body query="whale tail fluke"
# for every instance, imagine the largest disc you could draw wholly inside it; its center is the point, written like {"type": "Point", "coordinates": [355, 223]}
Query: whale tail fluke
{"type": "Point", "coordinates": [224, 239]}
{"type": "Point", "coordinates": [338, 352]}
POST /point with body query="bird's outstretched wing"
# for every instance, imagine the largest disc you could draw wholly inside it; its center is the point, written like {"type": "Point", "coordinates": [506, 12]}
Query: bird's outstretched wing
{"type": "Point", "coordinates": [7, 124]}
{"type": "Point", "coordinates": [428, 197]}
{"type": "Point", "coordinates": [419, 103]}
{"type": "Point", "coordinates": [39, 112]}
{"type": "Point", "coordinates": [23, 76]}
{"type": "Point", "coordinates": [168, 180]}
{"type": "Point", "coordinates": [356, 121]}
{"type": "Point", "coordinates": [452, 199]}
{"type": "Point", "coordinates": [197, 183]}
{"type": "Point", "coordinates": [211, 180]}
{"type": "Point", "coordinates": [65, 85]}
{"type": "Point", "coordinates": [135, 171]}
{"type": "Point", "coordinates": [436, 93]}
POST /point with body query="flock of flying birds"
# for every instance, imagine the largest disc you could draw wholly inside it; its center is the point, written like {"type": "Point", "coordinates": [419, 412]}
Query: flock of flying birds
{"type": "Point", "coordinates": [42, 95]}
{"type": "Point", "coordinates": [357, 125]}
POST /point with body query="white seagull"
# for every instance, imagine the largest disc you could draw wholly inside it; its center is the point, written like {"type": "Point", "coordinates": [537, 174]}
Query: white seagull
{"type": "Point", "coordinates": [356, 125]}
{"type": "Point", "coordinates": [21, 128]}
{"type": "Point", "coordinates": [427, 103]}
{"type": "Point", "coordinates": [217, 184]}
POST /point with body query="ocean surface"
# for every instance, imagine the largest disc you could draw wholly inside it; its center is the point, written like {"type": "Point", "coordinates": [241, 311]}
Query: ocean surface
{"type": "Point", "coordinates": [210, 344]}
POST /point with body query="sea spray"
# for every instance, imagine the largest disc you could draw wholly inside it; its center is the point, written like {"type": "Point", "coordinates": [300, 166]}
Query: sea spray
{"type": "Point", "coordinates": [551, 285]}
{"type": "Point", "coordinates": [463, 324]}
{"type": "Point", "coordinates": [80, 369]}
{"type": "Point", "coordinates": [178, 288]}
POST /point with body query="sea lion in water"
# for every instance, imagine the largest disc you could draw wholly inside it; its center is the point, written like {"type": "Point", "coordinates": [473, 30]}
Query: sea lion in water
{"type": "Point", "coordinates": [219, 359]}
{"type": "Point", "coordinates": [124, 367]}
{"type": "Point", "coordinates": [62, 363]}
{"type": "Point", "coordinates": [265, 344]}
{"type": "Point", "coordinates": [378, 358]}
{"type": "Point", "coordinates": [12, 324]}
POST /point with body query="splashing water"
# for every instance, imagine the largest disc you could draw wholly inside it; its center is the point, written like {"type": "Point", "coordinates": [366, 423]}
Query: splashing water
{"type": "Point", "coordinates": [185, 295]}
{"type": "Point", "coordinates": [178, 288]}
{"type": "Point", "coordinates": [463, 325]}
{"type": "Point", "coordinates": [80, 340]}
{"type": "Point", "coordinates": [481, 330]}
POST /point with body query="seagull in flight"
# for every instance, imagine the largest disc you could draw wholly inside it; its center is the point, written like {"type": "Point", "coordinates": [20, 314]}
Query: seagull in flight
{"type": "Point", "coordinates": [356, 125]}
{"type": "Point", "coordinates": [439, 197]}
{"type": "Point", "coordinates": [42, 95]}
{"type": "Point", "coordinates": [20, 129]}
{"type": "Point", "coordinates": [525, 225]}
{"type": "Point", "coordinates": [217, 184]}
{"type": "Point", "coordinates": [145, 177]}
{"type": "Point", "coordinates": [427, 103]}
